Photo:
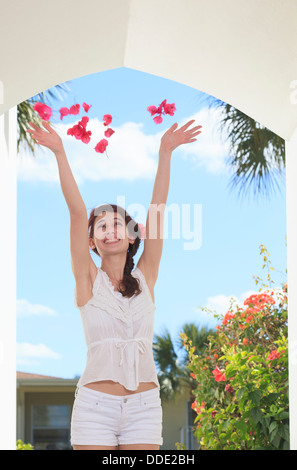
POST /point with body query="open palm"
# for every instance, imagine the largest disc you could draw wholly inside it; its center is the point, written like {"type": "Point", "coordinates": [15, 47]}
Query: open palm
{"type": "Point", "coordinates": [174, 137]}
{"type": "Point", "coordinates": [48, 139]}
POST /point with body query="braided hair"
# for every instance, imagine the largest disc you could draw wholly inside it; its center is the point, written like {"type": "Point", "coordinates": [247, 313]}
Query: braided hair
{"type": "Point", "coordinates": [129, 285]}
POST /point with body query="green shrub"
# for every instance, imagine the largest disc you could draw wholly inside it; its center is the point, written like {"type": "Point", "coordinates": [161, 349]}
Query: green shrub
{"type": "Point", "coordinates": [241, 399]}
{"type": "Point", "coordinates": [21, 446]}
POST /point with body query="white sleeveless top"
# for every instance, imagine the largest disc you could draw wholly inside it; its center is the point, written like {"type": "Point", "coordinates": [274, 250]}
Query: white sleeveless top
{"type": "Point", "coordinates": [119, 334]}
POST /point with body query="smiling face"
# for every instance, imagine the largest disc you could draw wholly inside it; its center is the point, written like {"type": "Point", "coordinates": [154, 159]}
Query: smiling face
{"type": "Point", "coordinates": [110, 233]}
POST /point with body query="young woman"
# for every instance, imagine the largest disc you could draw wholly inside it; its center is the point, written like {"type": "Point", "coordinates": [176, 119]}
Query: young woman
{"type": "Point", "coordinates": [117, 402]}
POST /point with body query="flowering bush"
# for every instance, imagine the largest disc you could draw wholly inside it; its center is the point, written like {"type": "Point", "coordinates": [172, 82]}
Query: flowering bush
{"type": "Point", "coordinates": [241, 399]}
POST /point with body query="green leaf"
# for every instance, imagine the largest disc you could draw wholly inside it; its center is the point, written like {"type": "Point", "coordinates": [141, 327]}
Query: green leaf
{"type": "Point", "coordinates": [275, 438]}
{"type": "Point", "coordinates": [225, 424]}
{"type": "Point", "coordinates": [240, 393]}
{"type": "Point", "coordinates": [255, 359]}
{"type": "Point", "coordinates": [256, 414]}
{"type": "Point", "coordinates": [282, 415]}
{"type": "Point", "coordinates": [255, 396]}
{"type": "Point", "coordinates": [286, 445]}
{"type": "Point", "coordinates": [230, 372]}
{"type": "Point", "coordinates": [273, 426]}
{"type": "Point", "coordinates": [241, 426]}
{"type": "Point", "coordinates": [271, 398]}
{"type": "Point", "coordinates": [284, 432]}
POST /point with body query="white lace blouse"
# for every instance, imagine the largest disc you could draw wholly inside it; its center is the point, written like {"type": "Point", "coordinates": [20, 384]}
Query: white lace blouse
{"type": "Point", "coordinates": [119, 334]}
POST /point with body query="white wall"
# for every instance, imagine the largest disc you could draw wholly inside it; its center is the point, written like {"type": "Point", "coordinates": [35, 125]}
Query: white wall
{"type": "Point", "coordinates": [8, 192]}
{"type": "Point", "coordinates": [291, 180]}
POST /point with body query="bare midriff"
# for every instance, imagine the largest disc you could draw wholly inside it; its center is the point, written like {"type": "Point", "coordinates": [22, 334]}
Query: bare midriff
{"type": "Point", "coordinates": [115, 388]}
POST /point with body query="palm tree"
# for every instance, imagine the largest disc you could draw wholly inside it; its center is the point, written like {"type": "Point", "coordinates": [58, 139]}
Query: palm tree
{"type": "Point", "coordinates": [256, 153]}
{"type": "Point", "coordinates": [167, 362]}
{"type": "Point", "coordinates": [174, 376]}
{"type": "Point", "coordinates": [26, 113]}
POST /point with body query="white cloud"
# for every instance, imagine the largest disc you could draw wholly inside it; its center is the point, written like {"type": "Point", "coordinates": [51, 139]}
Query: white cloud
{"type": "Point", "coordinates": [132, 154]}
{"type": "Point", "coordinates": [210, 150]}
{"type": "Point", "coordinates": [35, 351]}
{"type": "Point", "coordinates": [25, 308]}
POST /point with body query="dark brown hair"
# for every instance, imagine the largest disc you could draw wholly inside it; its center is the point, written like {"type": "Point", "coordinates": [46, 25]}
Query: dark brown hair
{"type": "Point", "coordinates": [129, 285]}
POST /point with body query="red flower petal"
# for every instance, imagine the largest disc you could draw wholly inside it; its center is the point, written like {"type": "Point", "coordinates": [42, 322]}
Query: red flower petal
{"type": "Point", "coordinates": [43, 110]}
{"type": "Point", "coordinates": [107, 118]}
{"type": "Point", "coordinates": [74, 109]}
{"type": "Point", "coordinates": [152, 110]}
{"type": "Point", "coordinates": [101, 146]}
{"type": "Point", "coordinates": [108, 132]}
{"type": "Point", "coordinates": [86, 107]}
{"type": "Point", "coordinates": [64, 112]}
{"type": "Point", "coordinates": [86, 137]}
{"type": "Point", "coordinates": [158, 119]}
{"type": "Point", "coordinates": [84, 121]}
{"type": "Point", "coordinates": [169, 109]}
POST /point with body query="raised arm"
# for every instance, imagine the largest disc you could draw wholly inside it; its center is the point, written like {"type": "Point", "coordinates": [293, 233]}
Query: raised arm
{"type": "Point", "coordinates": [81, 259]}
{"type": "Point", "coordinates": [53, 141]}
{"type": "Point", "coordinates": [153, 243]}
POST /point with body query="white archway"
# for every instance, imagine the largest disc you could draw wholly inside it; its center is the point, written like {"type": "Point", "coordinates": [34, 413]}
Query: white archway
{"type": "Point", "coordinates": [241, 52]}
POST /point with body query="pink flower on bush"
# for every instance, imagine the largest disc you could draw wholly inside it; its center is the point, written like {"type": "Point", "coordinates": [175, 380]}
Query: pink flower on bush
{"type": "Point", "coordinates": [259, 299]}
{"type": "Point", "coordinates": [273, 355]}
{"type": "Point", "coordinates": [219, 375]}
{"type": "Point", "coordinates": [227, 317]}
{"type": "Point", "coordinates": [198, 408]}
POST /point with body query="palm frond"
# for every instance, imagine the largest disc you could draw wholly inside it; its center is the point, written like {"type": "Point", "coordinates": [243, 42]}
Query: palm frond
{"type": "Point", "coordinates": [257, 155]}
{"type": "Point", "coordinates": [26, 113]}
{"type": "Point", "coordinates": [174, 376]}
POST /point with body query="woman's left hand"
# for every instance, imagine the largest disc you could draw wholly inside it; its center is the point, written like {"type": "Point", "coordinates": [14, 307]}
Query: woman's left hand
{"type": "Point", "coordinates": [174, 137]}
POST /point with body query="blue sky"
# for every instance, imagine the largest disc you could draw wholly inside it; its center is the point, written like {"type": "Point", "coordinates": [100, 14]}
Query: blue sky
{"type": "Point", "coordinates": [225, 253]}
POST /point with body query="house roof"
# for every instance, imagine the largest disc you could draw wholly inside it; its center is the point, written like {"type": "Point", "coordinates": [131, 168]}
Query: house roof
{"type": "Point", "coordinates": [243, 53]}
{"type": "Point", "coordinates": [37, 380]}
{"type": "Point", "coordinates": [27, 375]}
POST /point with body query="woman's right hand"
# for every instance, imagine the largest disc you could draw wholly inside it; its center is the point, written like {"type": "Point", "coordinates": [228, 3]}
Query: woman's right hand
{"type": "Point", "coordinates": [48, 139]}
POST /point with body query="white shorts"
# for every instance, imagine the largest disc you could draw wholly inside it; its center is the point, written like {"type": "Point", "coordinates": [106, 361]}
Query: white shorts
{"type": "Point", "coordinates": [109, 420]}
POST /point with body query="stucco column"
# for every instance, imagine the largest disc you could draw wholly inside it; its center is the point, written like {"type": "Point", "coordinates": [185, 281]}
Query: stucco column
{"type": "Point", "coordinates": [8, 230]}
{"type": "Point", "coordinates": [291, 189]}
